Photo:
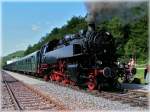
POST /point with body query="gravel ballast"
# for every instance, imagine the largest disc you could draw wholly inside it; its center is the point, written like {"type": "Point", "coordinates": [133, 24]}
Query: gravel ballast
{"type": "Point", "coordinates": [73, 99]}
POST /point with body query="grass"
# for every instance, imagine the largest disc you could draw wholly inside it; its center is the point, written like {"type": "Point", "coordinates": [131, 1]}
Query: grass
{"type": "Point", "coordinates": [140, 74]}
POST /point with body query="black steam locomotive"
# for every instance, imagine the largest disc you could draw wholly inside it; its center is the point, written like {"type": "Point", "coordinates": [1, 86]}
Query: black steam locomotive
{"type": "Point", "coordinates": [87, 59]}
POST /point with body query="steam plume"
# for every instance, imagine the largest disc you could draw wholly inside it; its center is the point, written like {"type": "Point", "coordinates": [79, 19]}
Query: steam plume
{"type": "Point", "coordinates": [105, 10]}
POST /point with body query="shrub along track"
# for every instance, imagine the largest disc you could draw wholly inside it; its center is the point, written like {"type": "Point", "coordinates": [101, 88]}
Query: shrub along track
{"type": "Point", "coordinates": [19, 96]}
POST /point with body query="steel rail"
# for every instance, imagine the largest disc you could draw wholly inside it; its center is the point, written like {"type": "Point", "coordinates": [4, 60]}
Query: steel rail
{"type": "Point", "coordinates": [39, 97]}
{"type": "Point", "coordinates": [15, 101]}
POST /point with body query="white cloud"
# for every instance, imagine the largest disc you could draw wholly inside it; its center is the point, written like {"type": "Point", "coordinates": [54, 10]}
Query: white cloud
{"type": "Point", "coordinates": [35, 28]}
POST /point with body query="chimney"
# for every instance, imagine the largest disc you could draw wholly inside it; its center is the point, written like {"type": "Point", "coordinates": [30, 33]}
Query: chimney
{"type": "Point", "coordinates": [91, 26]}
{"type": "Point", "coordinates": [91, 22]}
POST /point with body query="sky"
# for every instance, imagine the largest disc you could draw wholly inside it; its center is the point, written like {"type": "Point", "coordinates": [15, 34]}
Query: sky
{"type": "Point", "coordinates": [24, 23]}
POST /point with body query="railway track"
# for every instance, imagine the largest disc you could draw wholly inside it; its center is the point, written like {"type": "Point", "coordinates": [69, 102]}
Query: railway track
{"type": "Point", "coordinates": [18, 96]}
{"type": "Point", "coordinates": [132, 97]}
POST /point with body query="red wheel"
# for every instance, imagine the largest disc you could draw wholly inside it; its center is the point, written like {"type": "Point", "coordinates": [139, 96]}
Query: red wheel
{"type": "Point", "coordinates": [65, 81]}
{"type": "Point", "coordinates": [91, 85]}
{"type": "Point", "coordinates": [58, 78]}
{"type": "Point", "coordinates": [46, 78]}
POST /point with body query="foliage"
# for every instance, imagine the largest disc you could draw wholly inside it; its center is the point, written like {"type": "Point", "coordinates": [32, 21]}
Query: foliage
{"type": "Point", "coordinates": [131, 38]}
{"type": "Point", "coordinates": [17, 54]}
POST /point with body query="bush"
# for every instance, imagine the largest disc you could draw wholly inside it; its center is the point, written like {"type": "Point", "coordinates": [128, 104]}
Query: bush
{"type": "Point", "coordinates": [136, 81]}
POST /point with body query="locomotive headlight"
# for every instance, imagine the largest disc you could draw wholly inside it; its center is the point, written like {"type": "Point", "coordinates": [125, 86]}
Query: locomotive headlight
{"type": "Point", "coordinates": [107, 72]}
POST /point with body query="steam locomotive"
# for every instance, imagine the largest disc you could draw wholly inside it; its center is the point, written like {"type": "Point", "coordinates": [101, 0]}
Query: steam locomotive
{"type": "Point", "coordinates": [86, 59]}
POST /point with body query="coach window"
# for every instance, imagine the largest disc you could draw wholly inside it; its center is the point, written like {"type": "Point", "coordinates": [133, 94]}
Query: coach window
{"type": "Point", "coordinates": [33, 59]}
{"type": "Point", "coordinates": [29, 60]}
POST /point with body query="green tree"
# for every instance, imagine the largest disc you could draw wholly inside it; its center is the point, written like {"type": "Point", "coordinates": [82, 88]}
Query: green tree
{"type": "Point", "coordinates": [29, 50]}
